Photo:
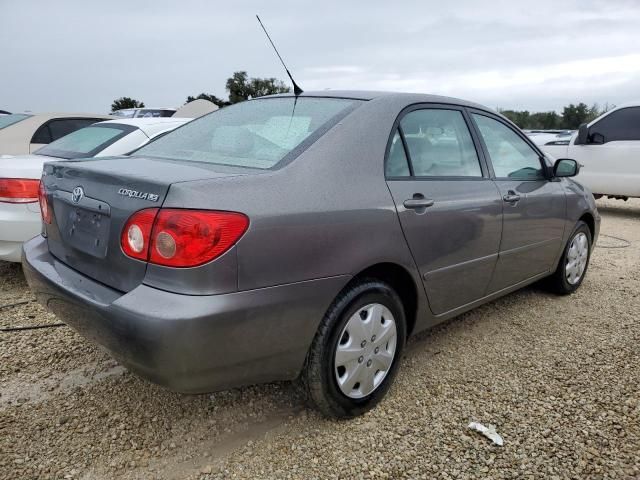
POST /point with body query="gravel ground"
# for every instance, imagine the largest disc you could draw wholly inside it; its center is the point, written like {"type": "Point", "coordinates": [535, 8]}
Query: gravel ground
{"type": "Point", "coordinates": [557, 376]}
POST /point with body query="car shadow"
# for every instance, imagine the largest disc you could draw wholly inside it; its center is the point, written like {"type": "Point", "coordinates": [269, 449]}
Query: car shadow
{"type": "Point", "coordinates": [624, 210]}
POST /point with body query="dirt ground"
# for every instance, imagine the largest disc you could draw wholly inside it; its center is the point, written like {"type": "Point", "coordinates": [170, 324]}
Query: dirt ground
{"type": "Point", "coordinates": [559, 377]}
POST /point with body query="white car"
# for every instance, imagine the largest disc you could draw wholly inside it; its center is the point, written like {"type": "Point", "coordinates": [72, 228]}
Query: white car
{"type": "Point", "coordinates": [549, 137]}
{"type": "Point", "coordinates": [20, 175]}
{"type": "Point", "coordinates": [609, 150]}
{"type": "Point", "coordinates": [22, 133]}
{"type": "Point", "coordinates": [144, 112]}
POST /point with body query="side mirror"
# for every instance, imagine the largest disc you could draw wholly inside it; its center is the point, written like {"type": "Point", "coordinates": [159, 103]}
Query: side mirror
{"type": "Point", "coordinates": [583, 135]}
{"type": "Point", "coordinates": [566, 167]}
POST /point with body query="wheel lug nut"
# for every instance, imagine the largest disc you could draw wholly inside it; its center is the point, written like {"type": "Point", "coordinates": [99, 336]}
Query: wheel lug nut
{"type": "Point", "coordinates": [369, 363]}
{"type": "Point", "coordinates": [373, 339]}
{"type": "Point", "coordinates": [377, 350]}
{"type": "Point", "coordinates": [361, 359]}
{"type": "Point", "coordinates": [364, 342]}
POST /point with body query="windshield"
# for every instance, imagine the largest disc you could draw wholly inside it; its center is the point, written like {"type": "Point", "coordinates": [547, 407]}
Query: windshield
{"type": "Point", "coordinates": [256, 134]}
{"type": "Point", "coordinates": [6, 120]}
{"type": "Point", "coordinates": [86, 142]}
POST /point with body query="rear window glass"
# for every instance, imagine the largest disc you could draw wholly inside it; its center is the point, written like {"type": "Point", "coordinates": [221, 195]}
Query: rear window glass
{"type": "Point", "coordinates": [6, 120]}
{"type": "Point", "coordinates": [256, 134]}
{"type": "Point", "coordinates": [86, 142]}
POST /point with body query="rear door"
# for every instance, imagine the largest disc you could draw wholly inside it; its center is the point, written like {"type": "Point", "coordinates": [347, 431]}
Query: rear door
{"type": "Point", "coordinates": [534, 207]}
{"type": "Point", "coordinates": [449, 209]}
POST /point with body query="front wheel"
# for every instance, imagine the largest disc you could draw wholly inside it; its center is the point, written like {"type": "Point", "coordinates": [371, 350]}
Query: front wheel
{"type": "Point", "coordinates": [356, 351]}
{"type": "Point", "coordinates": [574, 262]}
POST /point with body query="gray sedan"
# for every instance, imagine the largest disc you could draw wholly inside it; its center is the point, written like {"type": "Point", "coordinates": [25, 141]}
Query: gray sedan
{"type": "Point", "coordinates": [304, 237]}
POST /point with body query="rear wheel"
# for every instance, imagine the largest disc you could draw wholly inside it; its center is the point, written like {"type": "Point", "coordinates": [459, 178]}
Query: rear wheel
{"type": "Point", "coordinates": [574, 262]}
{"type": "Point", "coordinates": [355, 353]}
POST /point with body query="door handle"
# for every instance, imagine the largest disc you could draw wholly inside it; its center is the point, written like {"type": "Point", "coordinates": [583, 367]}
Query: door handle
{"type": "Point", "coordinates": [418, 203]}
{"type": "Point", "coordinates": [511, 197]}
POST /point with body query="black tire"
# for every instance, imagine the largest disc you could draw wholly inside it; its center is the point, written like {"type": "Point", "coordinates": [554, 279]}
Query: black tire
{"type": "Point", "coordinates": [318, 377]}
{"type": "Point", "coordinates": [558, 282]}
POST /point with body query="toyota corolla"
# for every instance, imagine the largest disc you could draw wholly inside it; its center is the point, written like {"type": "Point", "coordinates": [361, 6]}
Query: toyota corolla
{"type": "Point", "coordinates": [304, 237]}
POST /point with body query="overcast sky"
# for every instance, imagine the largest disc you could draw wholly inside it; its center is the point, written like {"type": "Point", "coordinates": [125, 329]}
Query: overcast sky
{"type": "Point", "coordinates": [538, 55]}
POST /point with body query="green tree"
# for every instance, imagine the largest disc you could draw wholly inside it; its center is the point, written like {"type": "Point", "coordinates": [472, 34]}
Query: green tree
{"type": "Point", "coordinates": [241, 87]}
{"type": "Point", "coordinates": [520, 118]}
{"type": "Point", "coordinates": [544, 121]}
{"type": "Point", "coordinates": [267, 86]}
{"type": "Point", "coordinates": [126, 102]}
{"type": "Point", "coordinates": [212, 98]}
{"type": "Point", "coordinates": [575, 115]}
{"type": "Point", "coordinates": [238, 87]}
{"type": "Point", "coordinates": [571, 118]}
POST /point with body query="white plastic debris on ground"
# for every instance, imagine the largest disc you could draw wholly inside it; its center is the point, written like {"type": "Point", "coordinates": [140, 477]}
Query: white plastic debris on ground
{"type": "Point", "coordinates": [489, 432]}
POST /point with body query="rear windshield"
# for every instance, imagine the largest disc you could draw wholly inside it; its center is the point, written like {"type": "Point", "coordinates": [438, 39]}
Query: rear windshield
{"type": "Point", "coordinates": [256, 134]}
{"type": "Point", "coordinates": [6, 120]}
{"type": "Point", "coordinates": [86, 142]}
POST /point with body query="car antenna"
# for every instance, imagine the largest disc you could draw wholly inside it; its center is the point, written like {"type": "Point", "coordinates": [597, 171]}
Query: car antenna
{"type": "Point", "coordinates": [296, 89]}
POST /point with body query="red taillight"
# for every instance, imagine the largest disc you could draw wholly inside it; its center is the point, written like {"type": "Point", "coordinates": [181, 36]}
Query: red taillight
{"type": "Point", "coordinates": [136, 235]}
{"type": "Point", "coordinates": [45, 211]}
{"type": "Point", "coordinates": [19, 190]}
{"type": "Point", "coordinates": [181, 238]}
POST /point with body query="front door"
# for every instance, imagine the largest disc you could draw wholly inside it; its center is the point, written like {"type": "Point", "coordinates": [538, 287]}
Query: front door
{"type": "Point", "coordinates": [450, 211]}
{"type": "Point", "coordinates": [534, 207]}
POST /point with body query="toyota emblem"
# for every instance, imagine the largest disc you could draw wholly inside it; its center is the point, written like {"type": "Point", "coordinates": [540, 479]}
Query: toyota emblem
{"type": "Point", "coordinates": [77, 194]}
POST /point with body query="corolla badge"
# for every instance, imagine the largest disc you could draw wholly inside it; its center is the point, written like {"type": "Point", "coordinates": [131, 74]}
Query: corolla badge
{"type": "Point", "coordinates": [77, 195]}
{"type": "Point", "coordinates": [127, 192]}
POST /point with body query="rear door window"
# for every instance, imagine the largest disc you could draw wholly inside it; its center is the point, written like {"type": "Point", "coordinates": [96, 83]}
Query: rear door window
{"type": "Point", "coordinates": [397, 163]}
{"type": "Point", "coordinates": [439, 144]}
{"type": "Point", "coordinates": [42, 135]}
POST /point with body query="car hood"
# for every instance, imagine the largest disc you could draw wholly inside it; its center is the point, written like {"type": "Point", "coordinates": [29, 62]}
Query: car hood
{"type": "Point", "coordinates": [23, 166]}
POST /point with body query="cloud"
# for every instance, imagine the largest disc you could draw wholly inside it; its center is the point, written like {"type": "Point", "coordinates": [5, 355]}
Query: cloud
{"type": "Point", "coordinates": [81, 55]}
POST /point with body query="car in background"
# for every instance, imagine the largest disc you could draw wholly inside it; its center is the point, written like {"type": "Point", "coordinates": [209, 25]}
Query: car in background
{"type": "Point", "coordinates": [608, 148]}
{"type": "Point", "coordinates": [193, 109]}
{"type": "Point", "coordinates": [304, 235]}
{"type": "Point", "coordinates": [20, 175]}
{"type": "Point", "coordinates": [22, 133]}
{"type": "Point", "coordinates": [144, 112]}
{"type": "Point", "coordinates": [549, 137]}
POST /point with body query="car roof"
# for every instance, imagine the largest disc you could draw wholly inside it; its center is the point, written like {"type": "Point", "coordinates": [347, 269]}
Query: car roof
{"type": "Point", "coordinates": [49, 115]}
{"type": "Point", "coordinates": [151, 125]}
{"type": "Point", "coordinates": [400, 97]}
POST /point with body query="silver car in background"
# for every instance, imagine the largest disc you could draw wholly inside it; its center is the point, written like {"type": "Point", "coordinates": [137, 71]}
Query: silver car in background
{"type": "Point", "coordinates": [304, 237]}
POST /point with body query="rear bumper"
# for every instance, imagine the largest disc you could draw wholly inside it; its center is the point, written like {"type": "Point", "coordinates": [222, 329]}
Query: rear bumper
{"type": "Point", "coordinates": [18, 223]}
{"type": "Point", "coordinates": [188, 343]}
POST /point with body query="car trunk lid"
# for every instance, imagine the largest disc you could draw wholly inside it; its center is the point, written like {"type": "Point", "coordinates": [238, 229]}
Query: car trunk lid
{"type": "Point", "coordinates": [92, 200]}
